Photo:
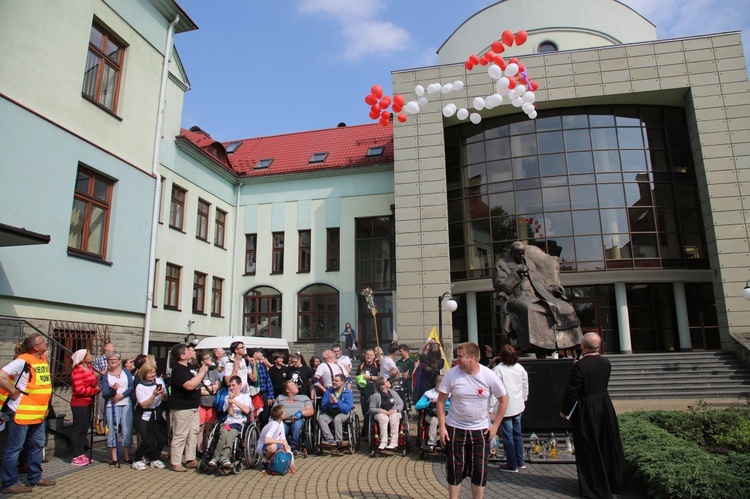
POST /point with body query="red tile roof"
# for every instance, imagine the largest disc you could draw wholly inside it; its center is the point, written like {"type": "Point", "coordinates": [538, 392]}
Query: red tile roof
{"type": "Point", "coordinates": [212, 147]}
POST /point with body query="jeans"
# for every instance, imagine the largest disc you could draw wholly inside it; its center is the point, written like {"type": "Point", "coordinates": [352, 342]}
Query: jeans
{"type": "Point", "coordinates": [23, 437]}
{"type": "Point", "coordinates": [295, 429]}
{"type": "Point", "coordinates": [513, 441]}
{"type": "Point", "coordinates": [124, 415]}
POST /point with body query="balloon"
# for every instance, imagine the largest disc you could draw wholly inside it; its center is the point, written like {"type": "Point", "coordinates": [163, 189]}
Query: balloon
{"type": "Point", "coordinates": [502, 83]}
{"type": "Point", "coordinates": [478, 103]}
{"type": "Point", "coordinates": [514, 59]}
{"type": "Point", "coordinates": [483, 61]}
{"type": "Point", "coordinates": [432, 88]}
{"type": "Point", "coordinates": [422, 101]}
{"type": "Point", "coordinates": [527, 107]}
{"type": "Point", "coordinates": [508, 37]}
{"type": "Point", "coordinates": [468, 65]}
{"type": "Point", "coordinates": [419, 90]}
{"type": "Point", "coordinates": [474, 59]}
{"type": "Point", "coordinates": [449, 110]}
{"type": "Point", "coordinates": [517, 102]}
{"type": "Point", "coordinates": [495, 72]}
{"type": "Point", "coordinates": [411, 107]}
{"type": "Point", "coordinates": [401, 118]}
{"type": "Point", "coordinates": [529, 97]}
{"type": "Point", "coordinates": [521, 68]}
{"type": "Point", "coordinates": [498, 47]}
{"type": "Point", "coordinates": [375, 108]}
{"type": "Point", "coordinates": [458, 85]}
{"type": "Point", "coordinates": [520, 90]}
{"type": "Point", "coordinates": [512, 94]}
{"type": "Point", "coordinates": [499, 61]}
{"type": "Point", "coordinates": [371, 99]}
{"type": "Point", "coordinates": [396, 108]}
{"type": "Point", "coordinates": [385, 102]}
{"type": "Point", "coordinates": [377, 91]}
{"type": "Point", "coordinates": [462, 113]}
{"type": "Point", "coordinates": [489, 55]}
{"type": "Point", "coordinates": [534, 85]}
{"type": "Point", "coordinates": [398, 100]}
{"type": "Point", "coordinates": [385, 115]}
{"type": "Point", "coordinates": [511, 69]}
{"type": "Point", "coordinates": [532, 115]}
{"type": "Point", "coordinates": [521, 37]}
{"type": "Point", "coordinates": [447, 88]}
{"type": "Point", "coordinates": [494, 100]}
{"type": "Point", "coordinates": [374, 115]}
{"type": "Point", "coordinates": [475, 118]}
{"type": "Point", "coordinates": [511, 83]}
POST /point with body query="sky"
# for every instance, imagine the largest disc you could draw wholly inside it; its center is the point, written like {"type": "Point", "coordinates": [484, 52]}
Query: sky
{"type": "Point", "coordinates": [260, 68]}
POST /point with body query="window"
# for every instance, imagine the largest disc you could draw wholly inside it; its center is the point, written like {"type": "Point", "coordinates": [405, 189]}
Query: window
{"type": "Point", "coordinates": [219, 225]}
{"type": "Point", "coordinates": [305, 251]}
{"type": "Point", "coordinates": [277, 257]}
{"type": "Point", "coordinates": [374, 249]}
{"type": "Point", "coordinates": [89, 221]}
{"type": "Point", "coordinates": [101, 80]}
{"type": "Point", "coordinates": [332, 249]}
{"type": "Point", "coordinates": [153, 291]}
{"type": "Point", "coordinates": [199, 292]}
{"type": "Point", "coordinates": [547, 46]}
{"type": "Point", "coordinates": [172, 287]}
{"type": "Point", "coordinates": [262, 312]}
{"type": "Point", "coordinates": [263, 163]}
{"type": "Point", "coordinates": [73, 336]}
{"type": "Point", "coordinates": [318, 157]}
{"type": "Point", "coordinates": [177, 208]}
{"type": "Point", "coordinates": [375, 151]}
{"type": "Point", "coordinates": [251, 248]}
{"type": "Point", "coordinates": [318, 315]}
{"type": "Point", "coordinates": [233, 146]}
{"type": "Point", "coordinates": [201, 229]}
{"type": "Point", "coordinates": [216, 291]}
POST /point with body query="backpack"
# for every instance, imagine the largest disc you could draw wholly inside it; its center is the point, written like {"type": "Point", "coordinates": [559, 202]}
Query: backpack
{"type": "Point", "coordinates": [281, 463]}
{"type": "Point", "coordinates": [221, 396]}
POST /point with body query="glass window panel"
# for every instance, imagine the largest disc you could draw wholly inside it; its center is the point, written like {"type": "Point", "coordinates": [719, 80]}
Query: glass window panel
{"type": "Point", "coordinates": [475, 175]}
{"type": "Point", "coordinates": [476, 208]}
{"type": "Point", "coordinates": [685, 195]}
{"type": "Point", "coordinates": [553, 164]}
{"type": "Point", "coordinates": [529, 201]}
{"type": "Point", "coordinates": [614, 221]}
{"type": "Point", "coordinates": [453, 178]}
{"type": "Point", "coordinates": [550, 142]}
{"type": "Point", "coordinates": [456, 234]}
{"type": "Point", "coordinates": [75, 236]}
{"type": "Point", "coordinates": [580, 162]}
{"type": "Point", "coordinates": [90, 74]}
{"type": "Point", "coordinates": [682, 161]}
{"type": "Point", "coordinates": [101, 189]}
{"type": "Point", "coordinates": [499, 171]}
{"type": "Point", "coordinates": [651, 116]}
{"type": "Point", "coordinates": [670, 245]}
{"type": "Point", "coordinates": [630, 138]}
{"type": "Point", "coordinates": [497, 149]}
{"type": "Point", "coordinates": [494, 132]}
{"type": "Point", "coordinates": [502, 203]}
{"type": "Point", "coordinates": [472, 134]}
{"type": "Point", "coordinates": [678, 139]}
{"type": "Point", "coordinates": [638, 194]}
{"type": "Point", "coordinates": [504, 228]}
{"type": "Point", "coordinates": [529, 183]}
{"type": "Point", "coordinates": [478, 233]}
{"type": "Point", "coordinates": [589, 248]}
{"type": "Point", "coordinates": [558, 224]}
{"type": "Point", "coordinates": [586, 222]}
{"type": "Point", "coordinates": [527, 167]}
{"type": "Point", "coordinates": [603, 138]}
{"type": "Point", "coordinates": [633, 160]}
{"type": "Point", "coordinates": [583, 196]}
{"type": "Point", "coordinates": [690, 219]}
{"type": "Point", "coordinates": [564, 249]}
{"type": "Point", "coordinates": [663, 195]}
{"type": "Point", "coordinates": [617, 246]}
{"type": "Point", "coordinates": [455, 210]}
{"type": "Point", "coordinates": [574, 118]}
{"type": "Point", "coordinates": [548, 123]}
{"type": "Point", "coordinates": [601, 116]}
{"type": "Point", "coordinates": [659, 161]}
{"type": "Point", "coordinates": [530, 226]}
{"type": "Point", "coordinates": [607, 161]}
{"type": "Point", "coordinates": [474, 153]}
{"type": "Point", "coordinates": [577, 140]}
{"type": "Point", "coordinates": [627, 116]}
{"type": "Point", "coordinates": [554, 181]}
{"type": "Point", "coordinates": [588, 178]}
{"type": "Point", "coordinates": [82, 181]}
{"type": "Point", "coordinates": [452, 156]}
{"type": "Point", "coordinates": [107, 95]}
{"type": "Point", "coordinates": [605, 178]}
{"type": "Point", "coordinates": [458, 259]}
{"type": "Point", "coordinates": [480, 257]}
{"type": "Point", "coordinates": [556, 198]}
{"type": "Point", "coordinates": [500, 187]}
{"type": "Point", "coordinates": [641, 220]}
{"type": "Point", "coordinates": [645, 246]}
{"type": "Point", "coordinates": [694, 246]}
{"type": "Point", "coordinates": [96, 230]}
{"type": "Point", "coordinates": [667, 220]}
{"type": "Point", "coordinates": [655, 138]}
{"type": "Point", "coordinates": [523, 145]}
{"type": "Point", "coordinates": [611, 195]}
{"type": "Point", "coordinates": [523, 125]}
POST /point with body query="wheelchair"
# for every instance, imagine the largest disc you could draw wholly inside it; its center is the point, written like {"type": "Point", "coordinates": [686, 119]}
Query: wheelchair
{"type": "Point", "coordinates": [307, 437]}
{"type": "Point", "coordinates": [350, 433]}
{"type": "Point", "coordinates": [373, 437]}
{"type": "Point", "coordinates": [423, 428]}
{"type": "Point", "coordinates": [243, 451]}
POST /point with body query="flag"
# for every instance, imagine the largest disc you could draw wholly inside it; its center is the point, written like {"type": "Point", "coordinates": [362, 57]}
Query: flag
{"type": "Point", "coordinates": [434, 336]}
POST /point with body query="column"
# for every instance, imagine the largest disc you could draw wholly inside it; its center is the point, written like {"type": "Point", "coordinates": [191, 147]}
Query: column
{"type": "Point", "coordinates": [683, 324]}
{"type": "Point", "coordinates": [471, 317]}
{"type": "Point", "coordinates": [623, 317]}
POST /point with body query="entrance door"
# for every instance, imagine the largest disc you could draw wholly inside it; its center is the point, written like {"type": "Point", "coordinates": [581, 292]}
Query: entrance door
{"type": "Point", "coordinates": [587, 310]}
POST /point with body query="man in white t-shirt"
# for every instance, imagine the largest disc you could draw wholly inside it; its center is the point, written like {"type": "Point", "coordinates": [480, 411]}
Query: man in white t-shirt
{"type": "Point", "coordinates": [237, 405]}
{"type": "Point", "coordinates": [342, 360]}
{"type": "Point", "coordinates": [467, 430]}
{"type": "Point", "coordinates": [323, 378]}
{"type": "Point", "coordinates": [237, 365]}
{"type": "Point", "coordinates": [387, 363]}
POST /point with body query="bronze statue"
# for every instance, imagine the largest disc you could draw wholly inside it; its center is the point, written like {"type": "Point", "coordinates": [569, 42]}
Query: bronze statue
{"type": "Point", "coordinates": [537, 310]}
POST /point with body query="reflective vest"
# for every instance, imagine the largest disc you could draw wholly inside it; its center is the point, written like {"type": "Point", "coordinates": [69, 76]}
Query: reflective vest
{"type": "Point", "coordinates": [33, 407]}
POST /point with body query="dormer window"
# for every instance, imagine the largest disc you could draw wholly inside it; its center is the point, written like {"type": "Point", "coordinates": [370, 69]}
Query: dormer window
{"type": "Point", "coordinates": [318, 157]}
{"type": "Point", "coordinates": [375, 151]}
{"type": "Point", "coordinates": [263, 163]}
{"type": "Point", "coordinates": [233, 146]}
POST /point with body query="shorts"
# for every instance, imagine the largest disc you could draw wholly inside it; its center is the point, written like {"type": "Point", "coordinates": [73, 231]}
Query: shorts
{"type": "Point", "coordinates": [467, 453]}
{"type": "Point", "coordinates": [206, 415]}
{"type": "Point", "coordinates": [267, 446]}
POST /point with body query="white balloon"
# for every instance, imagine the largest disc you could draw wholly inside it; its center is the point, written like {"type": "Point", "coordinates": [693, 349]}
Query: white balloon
{"type": "Point", "coordinates": [502, 83]}
{"type": "Point", "coordinates": [475, 118]}
{"type": "Point", "coordinates": [478, 103]}
{"type": "Point", "coordinates": [532, 115]}
{"type": "Point", "coordinates": [447, 88]}
{"type": "Point", "coordinates": [419, 90]}
{"type": "Point", "coordinates": [495, 72]}
{"type": "Point", "coordinates": [512, 94]}
{"type": "Point", "coordinates": [528, 107]}
{"type": "Point", "coordinates": [494, 100]}
{"type": "Point", "coordinates": [422, 101]}
{"type": "Point", "coordinates": [517, 102]}
{"type": "Point", "coordinates": [411, 107]}
{"type": "Point", "coordinates": [458, 85]}
{"type": "Point", "coordinates": [511, 69]}
{"type": "Point", "coordinates": [520, 90]}
{"type": "Point", "coordinates": [449, 110]}
{"type": "Point", "coordinates": [462, 113]}
{"type": "Point", "coordinates": [431, 88]}
{"type": "Point", "coordinates": [529, 97]}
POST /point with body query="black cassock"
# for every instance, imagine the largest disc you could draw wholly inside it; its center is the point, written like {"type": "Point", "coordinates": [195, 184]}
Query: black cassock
{"type": "Point", "coordinates": [596, 432]}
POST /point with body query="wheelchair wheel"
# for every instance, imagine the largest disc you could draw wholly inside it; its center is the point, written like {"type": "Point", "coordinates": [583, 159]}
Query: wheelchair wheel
{"type": "Point", "coordinates": [354, 436]}
{"type": "Point", "coordinates": [237, 455]}
{"type": "Point", "coordinates": [250, 444]}
{"type": "Point", "coordinates": [310, 434]}
{"type": "Point", "coordinates": [319, 441]}
{"type": "Point", "coordinates": [405, 419]}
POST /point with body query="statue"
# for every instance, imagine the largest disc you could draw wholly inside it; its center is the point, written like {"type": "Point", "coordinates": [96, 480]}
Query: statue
{"type": "Point", "coordinates": [537, 310]}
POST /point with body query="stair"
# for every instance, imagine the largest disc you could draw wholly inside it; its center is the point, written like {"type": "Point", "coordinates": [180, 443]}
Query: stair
{"type": "Point", "coordinates": [695, 375]}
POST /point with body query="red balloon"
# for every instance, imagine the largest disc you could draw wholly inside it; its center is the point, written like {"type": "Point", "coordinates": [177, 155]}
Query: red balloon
{"type": "Point", "coordinates": [474, 59]}
{"type": "Point", "coordinates": [534, 85]}
{"type": "Point", "coordinates": [396, 108]}
{"type": "Point", "coordinates": [483, 61]}
{"type": "Point", "coordinates": [499, 61]}
{"type": "Point", "coordinates": [398, 100]}
{"type": "Point", "coordinates": [469, 65]}
{"type": "Point", "coordinates": [375, 108]}
{"type": "Point", "coordinates": [383, 122]}
{"type": "Point", "coordinates": [498, 47]}
{"type": "Point", "coordinates": [514, 60]}
{"type": "Point", "coordinates": [489, 55]}
{"type": "Point", "coordinates": [377, 91]}
{"type": "Point", "coordinates": [508, 38]}
{"type": "Point", "coordinates": [521, 68]}
{"type": "Point", "coordinates": [371, 100]}
{"type": "Point", "coordinates": [402, 118]}
{"type": "Point", "coordinates": [374, 115]}
{"type": "Point", "coordinates": [385, 102]}
{"type": "Point", "coordinates": [511, 83]}
{"type": "Point", "coordinates": [385, 115]}
{"type": "Point", "coordinates": [521, 37]}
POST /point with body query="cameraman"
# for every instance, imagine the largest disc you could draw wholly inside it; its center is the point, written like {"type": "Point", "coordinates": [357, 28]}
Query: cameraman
{"type": "Point", "coordinates": [206, 411]}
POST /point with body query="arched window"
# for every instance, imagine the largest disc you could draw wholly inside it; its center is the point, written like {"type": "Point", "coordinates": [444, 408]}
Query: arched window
{"type": "Point", "coordinates": [318, 313]}
{"type": "Point", "coordinates": [546, 46]}
{"type": "Point", "coordinates": [262, 312]}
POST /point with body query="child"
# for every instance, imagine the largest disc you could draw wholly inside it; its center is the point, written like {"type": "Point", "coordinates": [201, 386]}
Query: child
{"type": "Point", "coordinates": [272, 437]}
{"type": "Point", "coordinates": [428, 403]}
{"type": "Point", "coordinates": [237, 405]}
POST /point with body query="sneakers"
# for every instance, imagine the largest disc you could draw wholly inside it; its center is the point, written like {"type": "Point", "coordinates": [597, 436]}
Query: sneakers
{"type": "Point", "coordinates": [392, 446]}
{"type": "Point", "coordinates": [158, 464]}
{"type": "Point", "coordinates": [521, 466]}
{"type": "Point", "coordinates": [139, 465]}
{"type": "Point", "coordinates": [81, 460]}
{"type": "Point", "coordinates": [507, 469]}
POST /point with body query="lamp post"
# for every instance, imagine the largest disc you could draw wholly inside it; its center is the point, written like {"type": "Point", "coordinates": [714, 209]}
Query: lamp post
{"type": "Point", "coordinates": [450, 306]}
{"type": "Point", "coordinates": [746, 291]}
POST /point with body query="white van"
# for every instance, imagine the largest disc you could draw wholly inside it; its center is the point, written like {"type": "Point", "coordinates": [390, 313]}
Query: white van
{"type": "Point", "coordinates": [268, 345]}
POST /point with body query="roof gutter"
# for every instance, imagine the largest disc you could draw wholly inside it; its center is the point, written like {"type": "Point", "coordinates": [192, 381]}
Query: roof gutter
{"type": "Point", "coordinates": [157, 187]}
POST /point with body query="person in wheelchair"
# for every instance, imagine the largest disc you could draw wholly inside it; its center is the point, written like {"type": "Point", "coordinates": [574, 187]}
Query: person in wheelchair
{"type": "Point", "coordinates": [297, 407]}
{"type": "Point", "coordinates": [385, 408]}
{"type": "Point", "coordinates": [336, 405]}
{"type": "Point", "coordinates": [237, 405]}
{"type": "Point", "coordinates": [428, 403]}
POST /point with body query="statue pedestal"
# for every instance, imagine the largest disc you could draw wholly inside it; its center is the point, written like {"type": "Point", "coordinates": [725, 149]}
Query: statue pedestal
{"type": "Point", "coordinates": [547, 381]}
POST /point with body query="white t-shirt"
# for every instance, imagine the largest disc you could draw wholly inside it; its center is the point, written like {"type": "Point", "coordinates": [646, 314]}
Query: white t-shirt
{"type": "Point", "coordinates": [144, 392]}
{"type": "Point", "coordinates": [516, 383]}
{"type": "Point", "coordinates": [386, 364]}
{"type": "Point", "coordinates": [242, 372]}
{"type": "Point", "coordinates": [323, 373]}
{"type": "Point", "coordinates": [470, 397]}
{"type": "Point", "coordinates": [122, 380]}
{"type": "Point", "coordinates": [238, 417]}
{"type": "Point", "coordinates": [273, 430]}
{"type": "Point", "coordinates": [14, 369]}
{"type": "Point", "coordinates": [345, 362]}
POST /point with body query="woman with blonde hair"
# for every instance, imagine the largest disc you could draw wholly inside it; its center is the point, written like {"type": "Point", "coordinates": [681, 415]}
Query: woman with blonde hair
{"type": "Point", "coordinates": [85, 385]}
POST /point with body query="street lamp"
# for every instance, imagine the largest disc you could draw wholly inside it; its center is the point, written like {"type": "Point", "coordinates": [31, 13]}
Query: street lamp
{"type": "Point", "coordinates": [450, 306]}
{"type": "Point", "coordinates": [192, 342]}
{"type": "Point", "coordinates": [746, 291]}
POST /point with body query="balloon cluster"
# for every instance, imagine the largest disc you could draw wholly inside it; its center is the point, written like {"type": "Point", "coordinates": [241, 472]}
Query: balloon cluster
{"type": "Point", "coordinates": [536, 226]}
{"type": "Point", "coordinates": [512, 83]}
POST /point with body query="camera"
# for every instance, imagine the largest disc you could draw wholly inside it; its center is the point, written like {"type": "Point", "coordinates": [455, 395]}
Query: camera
{"type": "Point", "coordinates": [211, 367]}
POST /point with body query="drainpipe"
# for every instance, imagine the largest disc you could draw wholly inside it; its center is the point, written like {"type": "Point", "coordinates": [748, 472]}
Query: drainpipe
{"type": "Point", "coordinates": [157, 188]}
{"type": "Point", "coordinates": [233, 267]}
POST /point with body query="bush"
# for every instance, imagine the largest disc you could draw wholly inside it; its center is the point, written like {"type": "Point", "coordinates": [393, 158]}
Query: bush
{"type": "Point", "coordinates": [668, 466]}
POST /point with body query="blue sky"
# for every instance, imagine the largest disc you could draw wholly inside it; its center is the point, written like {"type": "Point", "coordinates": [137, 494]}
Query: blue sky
{"type": "Point", "coordinates": [259, 68]}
